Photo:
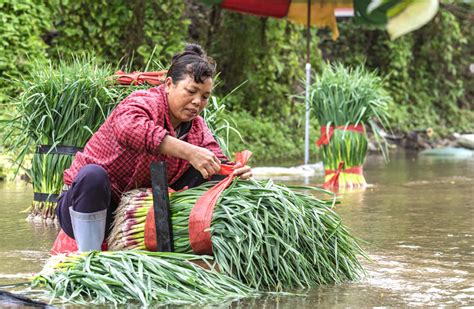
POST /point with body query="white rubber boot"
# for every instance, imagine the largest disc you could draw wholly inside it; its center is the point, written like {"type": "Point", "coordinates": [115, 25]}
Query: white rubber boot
{"type": "Point", "coordinates": [89, 229]}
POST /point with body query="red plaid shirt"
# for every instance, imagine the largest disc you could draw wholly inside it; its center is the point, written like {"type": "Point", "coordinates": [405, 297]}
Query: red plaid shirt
{"type": "Point", "coordinates": [128, 142]}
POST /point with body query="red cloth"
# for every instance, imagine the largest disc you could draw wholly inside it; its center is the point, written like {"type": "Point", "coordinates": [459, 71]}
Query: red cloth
{"type": "Point", "coordinates": [137, 78]}
{"type": "Point", "coordinates": [129, 140]}
{"type": "Point", "coordinates": [275, 8]}
{"type": "Point", "coordinates": [326, 133]}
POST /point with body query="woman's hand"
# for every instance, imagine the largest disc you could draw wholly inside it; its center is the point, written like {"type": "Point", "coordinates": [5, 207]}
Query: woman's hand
{"type": "Point", "coordinates": [202, 159]}
{"type": "Point", "coordinates": [243, 172]}
{"type": "Point", "coordinates": [205, 161]}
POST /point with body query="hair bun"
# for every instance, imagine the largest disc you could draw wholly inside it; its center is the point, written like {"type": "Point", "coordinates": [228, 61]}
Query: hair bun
{"type": "Point", "coordinates": [194, 48]}
{"type": "Point", "coordinates": [193, 61]}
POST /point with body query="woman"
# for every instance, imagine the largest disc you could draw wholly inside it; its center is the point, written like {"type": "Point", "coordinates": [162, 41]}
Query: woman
{"type": "Point", "coordinates": [158, 124]}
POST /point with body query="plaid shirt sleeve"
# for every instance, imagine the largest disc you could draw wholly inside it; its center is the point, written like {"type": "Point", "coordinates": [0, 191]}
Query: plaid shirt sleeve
{"type": "Point", "coordinates": [136, 123]}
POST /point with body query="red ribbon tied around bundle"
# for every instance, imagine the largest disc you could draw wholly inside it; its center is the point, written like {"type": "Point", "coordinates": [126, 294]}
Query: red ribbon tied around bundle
{"type": "Point", "coordinates": [334, 181]}
{"type": "Point", "coordinates": [137, 78]}
{"type": "Point", "coordinates": [201, 214]}
{"type": "Point", "coordinates": [326, 133]}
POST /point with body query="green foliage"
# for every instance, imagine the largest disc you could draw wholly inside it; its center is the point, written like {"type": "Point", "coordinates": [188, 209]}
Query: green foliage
{"type": "Point", "coordinates": [119, 29]}
{"type": "Point", "coordinates": [65, 103]}
{"type": "Point", "coordinates": [426, 72]}
{"type": "Point", "coordinates": [438, 76]}
{"type": "Point", "coordinates": [343, 96]}
{"type": "Point", "coordinates": [22, 23]}
{"type": "Point", "coordinates": [269, 55]}
{"type": "Point", "coordinates": [215, 117]}
{"type": "Point", "coordinates": [271, 139]}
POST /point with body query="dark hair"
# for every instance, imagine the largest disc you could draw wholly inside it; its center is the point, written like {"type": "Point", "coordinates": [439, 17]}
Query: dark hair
{"type": "Point", "coordinates": [194, 62]}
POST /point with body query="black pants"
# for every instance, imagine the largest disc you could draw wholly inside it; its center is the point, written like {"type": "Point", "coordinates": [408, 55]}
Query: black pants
{"type": "Point", "coordinates": [91, 192]}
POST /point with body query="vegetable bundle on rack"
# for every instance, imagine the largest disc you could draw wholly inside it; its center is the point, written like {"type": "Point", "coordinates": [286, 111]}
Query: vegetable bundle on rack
{"type": "Point", "coordinates": [265, 235]}
{"type": "Point", "coordinates": [345, 101]}
{"type": "Point", "coordinates": [147, 277]}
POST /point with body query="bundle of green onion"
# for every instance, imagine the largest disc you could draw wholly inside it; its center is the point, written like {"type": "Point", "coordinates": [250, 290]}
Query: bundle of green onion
{"type": "Point", "coordinates": [265, 235]}
{"type": "Point", "coordinates": [147, 277]}
{"type": "Point", "coordinates": [346, 101]}
{"type": "Point", "coordinates": [47, 177]}
{"type": "Point", "coordinates": [61, 105]}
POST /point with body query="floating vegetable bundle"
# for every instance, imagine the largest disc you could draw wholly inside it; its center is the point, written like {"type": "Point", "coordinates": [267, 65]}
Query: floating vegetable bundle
{"type": "Point", "coordinates": [345, 101]}
{"type": "Point", "coordinates": [147, 277]}
{"type": "Point", "coordinates": [265, 235]}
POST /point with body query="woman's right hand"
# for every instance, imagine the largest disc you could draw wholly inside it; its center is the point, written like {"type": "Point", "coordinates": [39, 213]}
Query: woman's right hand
{"type": "Point", "coordinates": [205, 161]}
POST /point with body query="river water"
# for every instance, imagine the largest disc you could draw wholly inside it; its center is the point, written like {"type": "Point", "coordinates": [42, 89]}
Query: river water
{"type": "Point", "coordinates": [417, 221]}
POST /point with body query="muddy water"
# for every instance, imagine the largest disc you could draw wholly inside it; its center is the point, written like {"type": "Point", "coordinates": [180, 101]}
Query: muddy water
{"type": "Point", "coordinates": [23, 246]}
{"type": "Point", "coordinates": [417, 221]}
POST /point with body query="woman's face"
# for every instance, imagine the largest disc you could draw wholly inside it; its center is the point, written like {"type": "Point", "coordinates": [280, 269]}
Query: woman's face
{"type": "Point", "coordinates": [187, 98]}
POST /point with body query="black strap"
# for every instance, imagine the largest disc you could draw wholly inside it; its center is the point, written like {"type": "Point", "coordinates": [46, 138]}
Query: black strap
{"type": "Point", "coordinates": [58, 149]}
{"type": "Point", "coordinates": [45, 197]}
{"type": "Point", "coordinates": [161, 207]}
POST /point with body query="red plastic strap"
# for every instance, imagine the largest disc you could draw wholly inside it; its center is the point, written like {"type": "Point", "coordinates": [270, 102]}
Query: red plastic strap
{"type": "Point", "coordinates": [150, 231]}
{"type": "Point", "coordinates": [334, 181]}
{"type": "Point", "coordinates": [138, 78]}
{"type": "Point", "coordinates": [150, 227]}
{"type": "Point", "coordinates": [201, 214]}
{"type": "Point", "coordinates": [326, 134]}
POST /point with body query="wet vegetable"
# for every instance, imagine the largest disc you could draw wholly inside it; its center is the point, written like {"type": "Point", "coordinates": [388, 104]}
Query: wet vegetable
{"type": "Point", "coordinates": [265, 235]}
{"type": "Point", "coordinates": [138, 276]}
{"type": "Point", "coordinates": [346, 101]}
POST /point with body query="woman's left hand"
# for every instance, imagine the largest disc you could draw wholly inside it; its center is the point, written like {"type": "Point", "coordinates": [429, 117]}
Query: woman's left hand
{"type": "Point", "coordinates": [243, 172]}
